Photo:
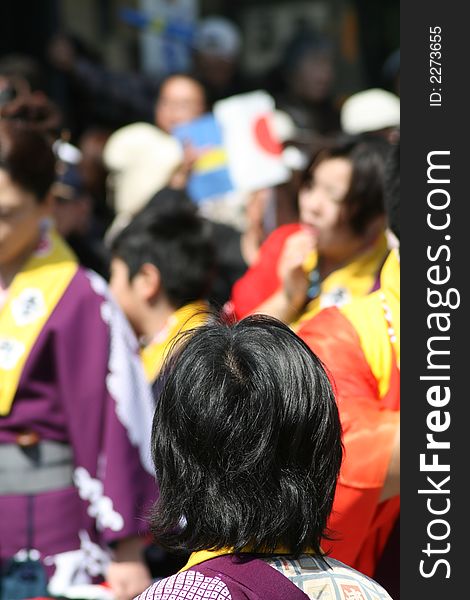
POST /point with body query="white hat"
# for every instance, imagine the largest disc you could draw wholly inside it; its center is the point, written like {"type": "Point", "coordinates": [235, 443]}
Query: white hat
{"type": "Point", "coordinates": [142, 159]}
{"type": "Point", "coordinates": [370, 110]}
{"type": "Point", "coordinates": [217, 36]}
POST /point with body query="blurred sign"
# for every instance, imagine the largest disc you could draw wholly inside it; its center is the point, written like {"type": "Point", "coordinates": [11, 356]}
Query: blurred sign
{"type": "Point", "coordinates": [267, 28]}
{"type": "Point", "coordinates": [255, 153]}
{"type": "Point", "coordinates": [210, 175]}
{"type": "Point", "coordinates": [167, 29]}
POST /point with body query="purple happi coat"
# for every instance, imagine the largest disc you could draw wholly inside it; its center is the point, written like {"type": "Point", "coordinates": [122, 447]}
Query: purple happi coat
{"type": "Point", "coordinates": [83, 385]}
{"type": "Point", "coordinates": [276, 577]}
{"type": "Point", "coordinates": [249, 579]}
{"type": "Point", "coordinates": [226, 578]}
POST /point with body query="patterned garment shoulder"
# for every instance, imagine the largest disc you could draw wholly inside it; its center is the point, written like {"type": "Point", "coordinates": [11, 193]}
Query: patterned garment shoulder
{"type": "Point", "coordinates": [189, 584]}
{"type": "Point", "coordinates": [328, 579]}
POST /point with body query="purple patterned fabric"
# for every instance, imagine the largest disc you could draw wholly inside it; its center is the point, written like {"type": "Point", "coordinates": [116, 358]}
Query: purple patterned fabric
{"type": "Point", "coordinates": [64, 394]}
{"type": "Point", "coordinates": [249, 578]}
{"type": "Point", "coordinates": [272, 578]}
{"type": "Point", "coordinates": [190, 585]}
{"type": "Point", "coordinates": [226, 578]}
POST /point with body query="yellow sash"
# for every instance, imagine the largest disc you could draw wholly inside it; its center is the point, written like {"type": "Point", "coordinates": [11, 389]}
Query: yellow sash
{"type": "Point", "coordinates": [354, 280]}
{"type": "Point", "coordinates": [32, 296]}
{"type": "Point", "coordinates": [368, 319]}
{"type": "Point", "coordinates": [187, 317]}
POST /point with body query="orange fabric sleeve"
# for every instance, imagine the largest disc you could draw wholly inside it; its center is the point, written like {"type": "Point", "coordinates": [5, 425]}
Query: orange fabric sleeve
{"type": "Point", "coordinates": [368, 427]}
{"type": "Point", "coordinates": [369, 432]}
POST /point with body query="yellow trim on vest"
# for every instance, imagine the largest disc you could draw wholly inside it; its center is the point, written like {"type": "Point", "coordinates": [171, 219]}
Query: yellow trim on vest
{"type": "Point", "coordinates": [201, 556]}
{"type": "Point", "coordinates": [356, 278]}
{"type": "Point", "coordinates": [367, 318]}
{"type": "Point", "coordinates": [33, 295]}
{"type": "Point", "coordinates": [187, 317]}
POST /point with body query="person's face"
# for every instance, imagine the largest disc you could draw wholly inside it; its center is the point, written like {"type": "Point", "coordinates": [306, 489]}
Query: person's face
{"type": "Point", "coordinates": [313, 77]}
{"type": "Point", "coordinates": [20, 220]}
{"type": "Point", "coordinates": [181, 100]}
{"type": "Point", "coordinates": [322, 206]}
{"type": "Point", "coordinates": [91, 166]}
{"type": "Point", "coordinates": [125, 292]}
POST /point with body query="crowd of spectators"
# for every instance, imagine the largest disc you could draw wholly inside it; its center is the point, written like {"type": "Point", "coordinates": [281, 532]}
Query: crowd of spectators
{"type": "Point", "coordinates": [106, 258]}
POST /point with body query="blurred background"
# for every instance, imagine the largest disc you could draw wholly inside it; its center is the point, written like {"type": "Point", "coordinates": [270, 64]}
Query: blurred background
{"type": "Point", "coordinates": [124, 35]}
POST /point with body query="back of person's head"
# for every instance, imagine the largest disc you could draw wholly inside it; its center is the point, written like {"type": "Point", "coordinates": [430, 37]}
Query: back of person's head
{"type": "Point", "coordinates": [364, 199]}
{"type": "Point", "coordinates": [246, 441]}
{"type": "Point", "coordinates": [27, 157]}
{"type": "Point", "coordinates": [170, 235]}
{"type": "Point", "coordinates": [392, 190]}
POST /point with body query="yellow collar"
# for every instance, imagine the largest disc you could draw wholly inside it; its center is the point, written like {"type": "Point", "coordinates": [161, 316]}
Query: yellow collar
{"type": "Point", "coordinates": [187, 317]}
{"type": "Point", "coordinates": [197, 558]}
{"type": "Point", "coordinates": [201, 556]}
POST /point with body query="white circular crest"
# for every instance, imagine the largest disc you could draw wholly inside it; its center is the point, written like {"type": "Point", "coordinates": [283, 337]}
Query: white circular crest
{"type": "Point", "coordinates": [28, 306]}
{"type": "Point", "coordinates": [336, 297]}
{"type": "Point", "coordinates": [10, 352]}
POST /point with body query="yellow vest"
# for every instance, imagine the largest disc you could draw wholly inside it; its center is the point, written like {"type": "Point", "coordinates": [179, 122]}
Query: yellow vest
{"type": "Point", "coordinates": [33, 295]}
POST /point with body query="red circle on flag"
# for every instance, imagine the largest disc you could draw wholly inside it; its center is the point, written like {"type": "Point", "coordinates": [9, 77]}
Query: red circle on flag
{"type": "Point", "coordinates": [264, 136]}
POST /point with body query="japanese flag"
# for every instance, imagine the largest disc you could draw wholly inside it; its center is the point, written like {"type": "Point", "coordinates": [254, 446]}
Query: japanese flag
{"type": "Point", "coordinates": [253, 151]}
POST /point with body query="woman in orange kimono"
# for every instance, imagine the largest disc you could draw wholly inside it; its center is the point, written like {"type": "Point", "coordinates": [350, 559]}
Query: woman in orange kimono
{"type": "Point", "coordinates": [360, 347]}
{"type": "Point", "coordinates": [336, 251]}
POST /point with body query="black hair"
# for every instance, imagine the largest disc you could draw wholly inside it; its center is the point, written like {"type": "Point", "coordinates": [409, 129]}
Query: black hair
{"type": "Point", "coordinates": [246, 441]}
{"type": "Point", "coordinates": [27, 157]}
{"type": "Point", "coordinates": [364, 200]}
{"type": "Point", "coordinates": [392, 190]}
{"type": "Point", "coordinates": [169, 234]}
{"type": "Point", "coordinates": [305, 41]}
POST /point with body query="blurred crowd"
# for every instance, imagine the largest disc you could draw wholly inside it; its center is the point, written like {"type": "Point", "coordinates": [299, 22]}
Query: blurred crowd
{"type": "Point", "coordinates": [108, 251]}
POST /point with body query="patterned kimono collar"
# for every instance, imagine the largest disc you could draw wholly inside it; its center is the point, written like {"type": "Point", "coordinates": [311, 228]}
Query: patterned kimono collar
{"type": "Point", "coordinates": [201, 556]}
{"type": "Point", "coordinates": [33, 295]}
{"type": "Point", "coordinates": [187, 317]}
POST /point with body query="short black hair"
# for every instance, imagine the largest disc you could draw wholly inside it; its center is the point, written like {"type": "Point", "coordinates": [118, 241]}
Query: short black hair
{"type": "Point", "coordinates": [392, 190]}
{"type": "Point", "coordinates": [169, 234]}
{"type": "Point", "coordinates": [246, 441]}
{"type": "Point", "coordinates": [364, 200]}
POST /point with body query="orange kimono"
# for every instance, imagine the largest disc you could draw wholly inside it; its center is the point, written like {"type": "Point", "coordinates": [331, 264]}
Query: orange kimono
{"type": "Point", "coordinates": [359, 344]}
